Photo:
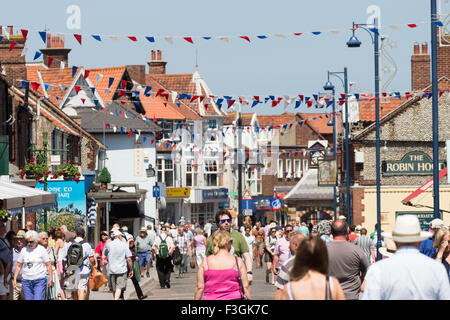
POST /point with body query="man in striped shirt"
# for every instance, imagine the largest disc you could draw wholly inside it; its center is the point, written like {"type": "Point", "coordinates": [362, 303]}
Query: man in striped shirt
{"type": "Point", "coordinates": [183, 242]}
{"type": "Point", "coordinates": [295, 238]}
{"type": "Point", "coordinates": [366, 244]}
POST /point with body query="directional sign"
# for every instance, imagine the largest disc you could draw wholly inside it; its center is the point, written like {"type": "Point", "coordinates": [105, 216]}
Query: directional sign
{"type": "Point", "coordinates": [247, 195]}
{"type": "Point", "coordinates": [276, 204]}
{"type": "Point", "coordinates": [156, 191]}
{"type": "Point", "coordinates": [248, 212]}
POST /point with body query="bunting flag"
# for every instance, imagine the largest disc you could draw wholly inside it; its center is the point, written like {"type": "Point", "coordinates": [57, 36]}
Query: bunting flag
{"type": "Point", "coordinates": [150, 39]}
{"type": "Point", "coordinates": [35, 86]}
{"type": "Point", "coordinates": [43, 35]}
{"type": "Point", "coordinates": [24, 34]}
{"type": "Point", "coordinates": [74, 71]}
{"type": "Point", "coordinates": [188, 39]}
{"type": "Point", "coordinates": [245, 38]}
{"type": "Point", "coordinates": [132, 38]}
{"type": "Point", "coordinates": [77, 89]}
{"type": "Point", "coordinates": [49, 61]}
{"type": "Point", "coordinates": [98, 78]}
{"type": "Point", "coordinates": [13, 44]}
{"type": "Point", "coordinates": [97, 37]}
{"type": "Point", "coordinates": [110, 82]}
{"type": "Point", "coordinates": [78, 37]}
{"type": "Point", "coordinates": [147, 91]}
{"type": "Point", "coordinates": [37, 55]}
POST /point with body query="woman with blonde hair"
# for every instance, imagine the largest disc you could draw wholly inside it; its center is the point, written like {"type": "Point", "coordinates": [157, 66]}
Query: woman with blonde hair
{"type": "Point", "coordinates": [309, 279]}
{"type": "Point", "coordinates": [443, 249]}
{"type": "Point", "coordinates": [222, 276]}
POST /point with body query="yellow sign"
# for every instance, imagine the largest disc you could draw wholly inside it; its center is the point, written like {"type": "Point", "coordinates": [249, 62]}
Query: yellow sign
{"type": "Point", "coordinates": [178, 192]}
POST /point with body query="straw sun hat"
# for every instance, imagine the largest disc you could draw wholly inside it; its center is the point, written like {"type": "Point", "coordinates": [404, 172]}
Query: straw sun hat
{"type": "Point", "coordinates": [407, 230]}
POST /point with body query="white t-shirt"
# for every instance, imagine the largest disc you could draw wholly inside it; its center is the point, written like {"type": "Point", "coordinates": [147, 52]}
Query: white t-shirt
{"type": "Point", "coordinates": [87, 253]}
{"type": "Point", "coordinates": [33, 262]}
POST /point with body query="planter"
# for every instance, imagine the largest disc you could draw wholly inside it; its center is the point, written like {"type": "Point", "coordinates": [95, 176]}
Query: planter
{"type": "Point", "coordinates": [30, 175]}
{"type": "Point", "coordinates": [68, 177]}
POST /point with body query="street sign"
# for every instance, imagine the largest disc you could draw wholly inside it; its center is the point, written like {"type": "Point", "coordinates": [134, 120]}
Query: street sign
{"type": "Point", "coordinates": [248, 212]}
{"type": "Point", "coordinates": [156, 191]}
{"type": "Point", "coordinates": [247, 195]}
{"type": "Point", "coordinates": [276, 204]}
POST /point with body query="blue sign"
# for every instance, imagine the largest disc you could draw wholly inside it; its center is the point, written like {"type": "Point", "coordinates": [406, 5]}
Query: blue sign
{"type": "Point", "coordinates": [247, 204]}
{"type": "Point", "coordinates": [276, 204]}
{"type": "Point", "coordinates": [71, 195]}
{"type": "Point", "coordinates": [215, 194]}
{"type": "Point", "coordinates": [156, 192]}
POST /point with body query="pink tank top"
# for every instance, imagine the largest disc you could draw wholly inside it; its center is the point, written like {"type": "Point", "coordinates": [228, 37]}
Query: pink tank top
{"type": "Point", "coordinates": [221, 284]}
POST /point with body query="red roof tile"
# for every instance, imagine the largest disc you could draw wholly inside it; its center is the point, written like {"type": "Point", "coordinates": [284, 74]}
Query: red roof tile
{"type": "Point", "coordinates": [319, 122]}
{"type": "Point", "coordinates": [367, 108]}
{"type": "Point", "coordinates": [105, 92]}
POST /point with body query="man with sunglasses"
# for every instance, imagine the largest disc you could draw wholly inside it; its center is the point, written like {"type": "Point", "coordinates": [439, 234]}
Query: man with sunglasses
{"type": "Point", "coordinates": [239, 245]}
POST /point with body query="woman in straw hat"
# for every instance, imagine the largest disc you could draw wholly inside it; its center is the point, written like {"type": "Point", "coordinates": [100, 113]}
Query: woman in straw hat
{"type": "Point", "coordinates": [408, 274]}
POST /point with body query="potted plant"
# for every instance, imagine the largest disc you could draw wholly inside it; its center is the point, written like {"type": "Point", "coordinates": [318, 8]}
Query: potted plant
{"type": "Point", "coordinates": [69, 171]}
{"type": "Point", "coordinates": [34, 170]}
{"type": "Point", "coordinates": [4, 215]}
{"type": "Point", "coordinates": [104, 178]}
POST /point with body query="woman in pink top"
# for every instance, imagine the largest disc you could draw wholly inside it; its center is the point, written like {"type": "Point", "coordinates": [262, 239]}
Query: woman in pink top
{"type": "Point", "coordinates": [218, 274]}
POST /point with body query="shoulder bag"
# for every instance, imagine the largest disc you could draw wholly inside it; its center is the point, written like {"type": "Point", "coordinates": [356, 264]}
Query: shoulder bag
{"type": "Point", "coordinates": [240, 280]}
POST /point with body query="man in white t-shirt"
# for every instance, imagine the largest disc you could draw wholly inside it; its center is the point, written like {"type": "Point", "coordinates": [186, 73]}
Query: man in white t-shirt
{"type": "Point", "coordinates": [79, 280]}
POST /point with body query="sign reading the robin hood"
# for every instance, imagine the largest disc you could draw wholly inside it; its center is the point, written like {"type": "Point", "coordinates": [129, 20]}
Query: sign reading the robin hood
{"type": "Point", "coordinates": [413, 163]}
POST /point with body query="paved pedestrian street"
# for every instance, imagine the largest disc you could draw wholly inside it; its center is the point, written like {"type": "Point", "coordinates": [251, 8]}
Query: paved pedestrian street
{"type": "Point", "coordinates": [184, 288]}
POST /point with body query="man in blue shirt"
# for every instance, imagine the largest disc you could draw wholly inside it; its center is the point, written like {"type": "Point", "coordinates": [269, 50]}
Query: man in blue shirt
{"type": "Point", "coordinates": [426, 247]}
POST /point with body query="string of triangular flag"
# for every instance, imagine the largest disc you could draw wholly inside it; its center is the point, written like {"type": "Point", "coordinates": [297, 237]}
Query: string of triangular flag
{"type": "Point", "coordinates": [99, 38]}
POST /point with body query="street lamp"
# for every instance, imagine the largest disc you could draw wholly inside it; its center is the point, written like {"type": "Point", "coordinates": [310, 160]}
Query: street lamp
{"type": "Point", "coordinates": [353, 42]}
{"type": "Point", "coordinates": [329, 86]}
{"type": "Point", "coordinates": [150, 171]}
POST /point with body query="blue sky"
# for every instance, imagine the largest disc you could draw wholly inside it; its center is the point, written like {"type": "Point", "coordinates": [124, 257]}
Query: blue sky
{"type": "Point", "coordinates": [273, 66]}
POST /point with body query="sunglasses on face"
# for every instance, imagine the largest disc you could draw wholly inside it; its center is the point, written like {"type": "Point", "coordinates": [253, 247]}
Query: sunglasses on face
{"type": "Point", "coordinates": [225, 220]}
{"type": "Point", "coordinates": [288, 230]}
{"type": "Point", "coordinates": [29, 242]}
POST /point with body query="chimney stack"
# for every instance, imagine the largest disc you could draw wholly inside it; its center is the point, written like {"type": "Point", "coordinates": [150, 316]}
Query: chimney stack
{"type": "Point", "coordinates": [55, 49]}
{"type": "Point", "coordinates": [13, 61]}
{"type": "Point", "coordinates": [157, 66]}
{"type": "Point", "coordinates": [420, 68]}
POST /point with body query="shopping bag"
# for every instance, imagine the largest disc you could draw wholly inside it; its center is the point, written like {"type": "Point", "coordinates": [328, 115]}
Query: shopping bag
{"type": "Point", "coordinates": [96, 280]}
{"type": "Point", "coordinates": [137, 271]}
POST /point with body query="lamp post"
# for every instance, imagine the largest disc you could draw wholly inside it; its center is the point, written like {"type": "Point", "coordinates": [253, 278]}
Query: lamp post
{"type": "Point", "coordinates": [330, 86]}
{"type": "Point", "coordinates": [239, 167]}
{"type": "Point", "coordinates": [434, 106]}
{"type": "Point", "coordinates": [353, 42]}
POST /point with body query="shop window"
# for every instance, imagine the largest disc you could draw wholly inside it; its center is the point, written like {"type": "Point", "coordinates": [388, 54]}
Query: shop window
{"type": "Point", "coordinates": [191, 173]}
{"type": "Point", "coordinates": [280, 168]}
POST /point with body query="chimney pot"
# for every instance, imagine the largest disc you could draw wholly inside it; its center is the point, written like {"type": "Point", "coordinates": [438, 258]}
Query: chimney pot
{"type": "Point", "coordinates": [416, 48]}
{"type": "Point", "coordinates": [159, 55]}
{"type": "Point", "coordinates": [49, 45]}
{"type": "Point", "coordinates": [62, 42]}
{"type": "Point", "coordinates": [424, 48]}
{"type": "Point", "coordinates": [153, 55]}
{"type": "Point", "coordinates": [11, 30]}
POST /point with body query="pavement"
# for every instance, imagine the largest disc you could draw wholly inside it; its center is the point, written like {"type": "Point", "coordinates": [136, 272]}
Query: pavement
{"type": "Point", "coordinates": [184, 288]}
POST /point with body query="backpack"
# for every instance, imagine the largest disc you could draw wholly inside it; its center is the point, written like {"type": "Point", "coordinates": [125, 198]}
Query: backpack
{"type": "Point", "coordinates": [176, 256]}
{"type": "Point", "coordinates": [75, 256]}
{"type": "Point", "coordinates": [163, 249]}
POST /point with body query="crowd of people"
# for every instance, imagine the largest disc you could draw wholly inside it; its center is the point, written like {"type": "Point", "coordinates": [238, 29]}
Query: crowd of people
{"type": "Point", "coordinates": [329, 260]}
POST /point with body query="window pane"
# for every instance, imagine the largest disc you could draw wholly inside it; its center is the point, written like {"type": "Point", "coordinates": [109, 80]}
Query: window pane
{"type": "Point", "coordinates": [168, 178]}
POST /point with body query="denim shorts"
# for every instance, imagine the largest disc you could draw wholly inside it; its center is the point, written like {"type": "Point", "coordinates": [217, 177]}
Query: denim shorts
{"type": "Point", "coordinates": [144, 258]}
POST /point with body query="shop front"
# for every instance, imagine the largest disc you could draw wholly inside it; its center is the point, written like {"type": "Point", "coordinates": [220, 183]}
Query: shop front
{"type": "Point", "coordinates": [206, 202]}
{"type": "Point", "coordinates": [175, 209]}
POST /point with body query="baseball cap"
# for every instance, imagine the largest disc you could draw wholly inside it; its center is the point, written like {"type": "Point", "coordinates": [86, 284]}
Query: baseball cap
{"type": "Point", "coordinates": [436, 224]}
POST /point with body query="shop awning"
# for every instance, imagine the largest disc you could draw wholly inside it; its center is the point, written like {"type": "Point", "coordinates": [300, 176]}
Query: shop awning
{"type": "Point", "coordinates": [424, 187]}
{"type": "Point", "coordinates": [15, 197]}
{"type": "Point", "coordinates": [308, 189]}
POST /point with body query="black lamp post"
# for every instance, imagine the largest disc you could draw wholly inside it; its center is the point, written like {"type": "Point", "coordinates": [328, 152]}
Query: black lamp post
{"type": "Point", "coordinates": [329, 86]}
{"type": "Point", "coordinates": [353, 42]}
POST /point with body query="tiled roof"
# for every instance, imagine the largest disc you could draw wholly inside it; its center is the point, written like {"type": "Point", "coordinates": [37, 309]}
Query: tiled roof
{"type": "Point", "coordinates": [105, 92]}
{"type": "Point", "coordinates": [54, 77]}
{"type": "Point", "coordinates": [181, 83]}
{"type": "Point", "coordinates": [319, 122]}
{"type": "Point", "coordinates": [165, 109]}
{"type": "Point", "coordinates": [95, 120]}
{"type": "Point", "coordinates": [231, 117]}
{"type": "Point", "coordinates": [367, 108]}
{"type": "Point", "coordinates": [276, 120]}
